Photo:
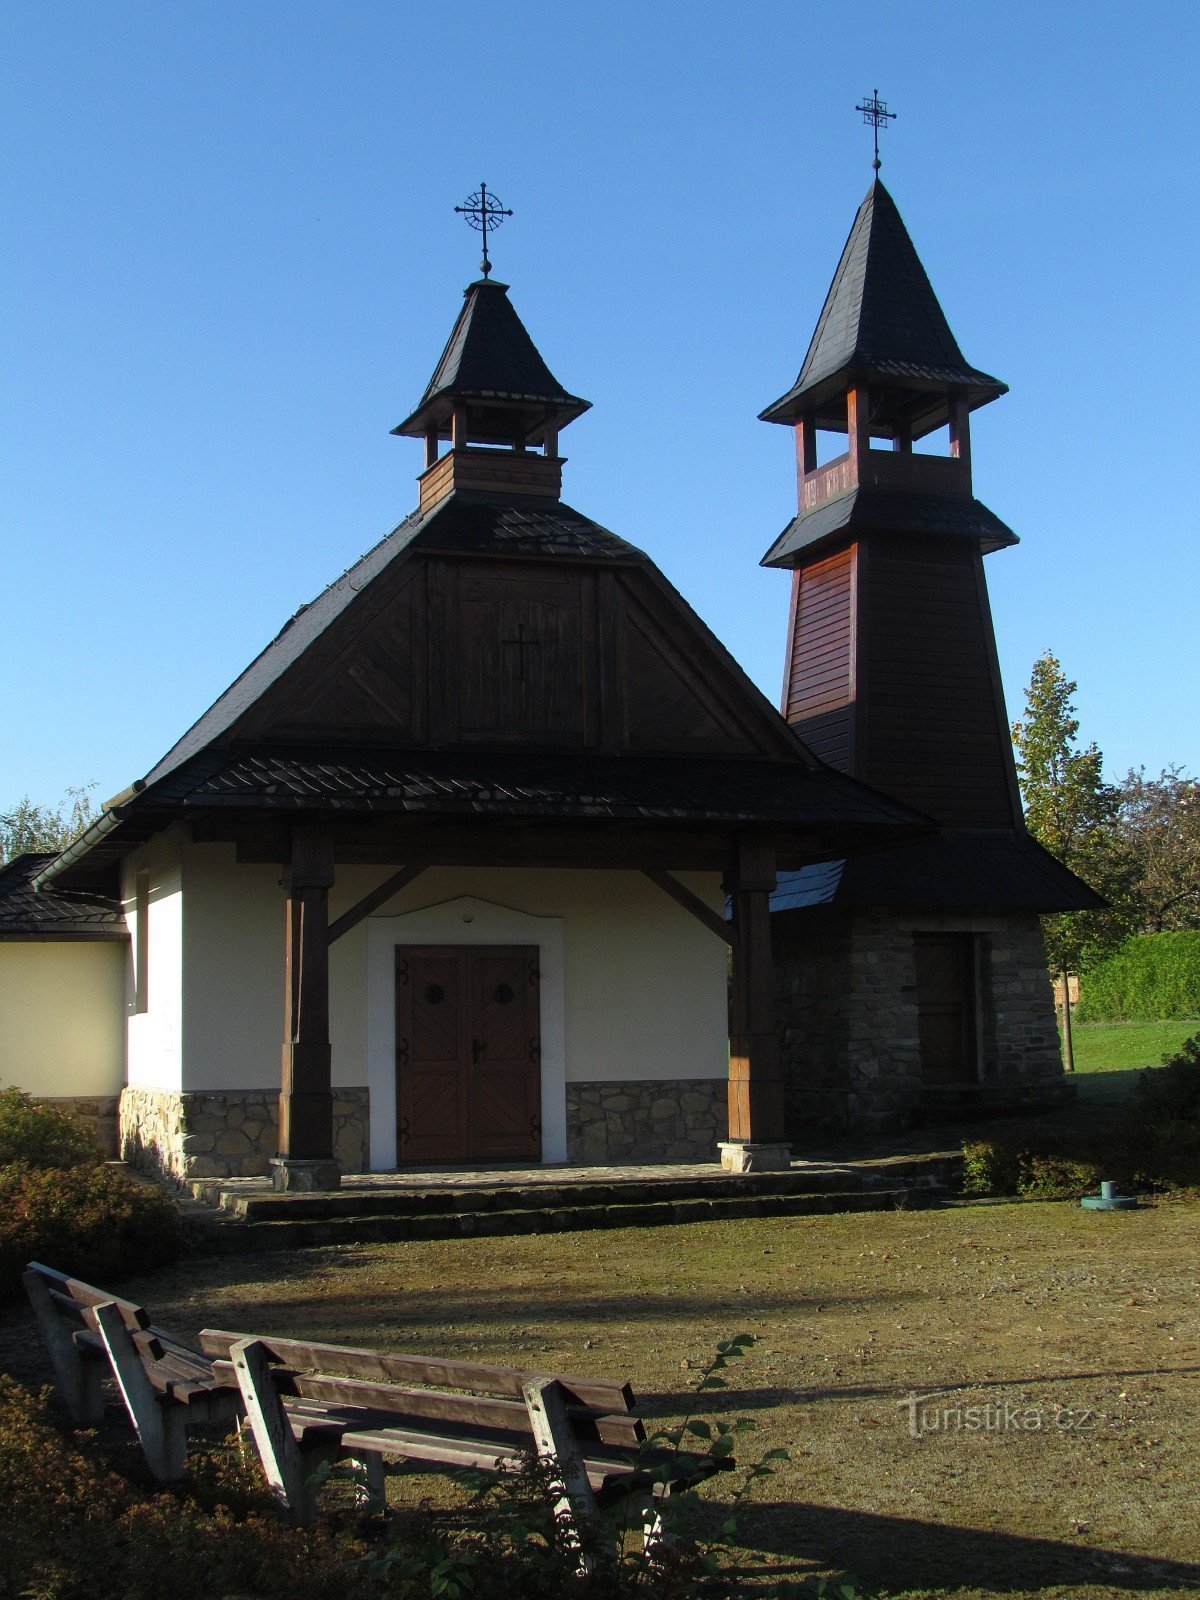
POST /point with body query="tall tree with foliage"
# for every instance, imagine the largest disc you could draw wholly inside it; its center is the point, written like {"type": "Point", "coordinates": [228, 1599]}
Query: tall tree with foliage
{"type": "Point", "coordinates": [1072, 812]}
{"type": "Point", "coordinates": [30, 828]}
{"type": "Point", "coordinates": [1159, 819]}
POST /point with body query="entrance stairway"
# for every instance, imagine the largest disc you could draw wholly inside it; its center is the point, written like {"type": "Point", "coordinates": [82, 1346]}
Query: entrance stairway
{"type": "Point", "coordinates": [245, 1214]}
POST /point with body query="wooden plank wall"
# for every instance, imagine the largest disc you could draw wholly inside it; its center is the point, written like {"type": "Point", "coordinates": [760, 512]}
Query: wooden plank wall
{"type": "Point", "coordinates": [532, 655]}
{"type": "Point", "coordinates": [819, 689]}
{"type": "Point", "coordinates": [933, 729]}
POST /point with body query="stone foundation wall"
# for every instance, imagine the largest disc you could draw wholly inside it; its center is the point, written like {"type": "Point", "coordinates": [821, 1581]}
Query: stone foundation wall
{"type": "Point", "coordinates": [847, 990]}
{"type": "Point", "coordinates": [98, 1109]}
{"type": "Point", "coordinates": [656, 1120]}
{"type": "Point", "coordinates": [231, 1133]}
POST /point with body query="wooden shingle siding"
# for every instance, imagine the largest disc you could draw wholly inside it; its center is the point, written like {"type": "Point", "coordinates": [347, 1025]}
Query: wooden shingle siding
{"type": "Point", "coordinates": [821, 648]}
{"type": "Point", "coordinates": [932, 734]}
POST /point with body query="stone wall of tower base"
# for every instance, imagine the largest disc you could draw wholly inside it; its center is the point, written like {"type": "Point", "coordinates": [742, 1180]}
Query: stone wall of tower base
{"type": "Point", "coordinates": [232, 1133]}
{"type": "Point", "coordinates": [847, 988]}
{"type": "Point", "coordinates": [667, 1119]}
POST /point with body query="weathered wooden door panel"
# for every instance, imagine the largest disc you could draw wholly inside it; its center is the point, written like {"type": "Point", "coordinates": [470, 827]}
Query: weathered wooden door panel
{"type": "Point", "coordinates": [468, 1054]}
{"type": "Point", "coordinates": [946, 1007]}
{"type": "Point", "coordinates": [506, 1089]}
{"type": "Point", "coordinates": [432, 1056]}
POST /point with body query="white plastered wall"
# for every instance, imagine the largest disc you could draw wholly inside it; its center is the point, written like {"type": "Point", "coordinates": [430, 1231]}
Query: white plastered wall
{"type": "Point", "coordinates": [154, 1036]}
{"type": "Point", "coordinates": [62, 1016]}
{"type": "Point", "coordinates": [642, 989]}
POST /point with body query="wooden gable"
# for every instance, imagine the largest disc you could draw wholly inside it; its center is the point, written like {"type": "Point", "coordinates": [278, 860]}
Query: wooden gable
{"type": "Point", "coordinates": [478, 652]}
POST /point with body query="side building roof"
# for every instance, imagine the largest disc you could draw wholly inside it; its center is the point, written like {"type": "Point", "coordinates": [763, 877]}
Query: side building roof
{"type": "Point", "coordinates": [53, 913]}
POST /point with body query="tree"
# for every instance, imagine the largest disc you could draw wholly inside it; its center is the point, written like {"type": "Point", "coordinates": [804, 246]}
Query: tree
{"type": "Point", "coordinates": [1072, 812]}
{"type": "Point", "coordinates": [44, 829]}
{"type": "Point", "coordinates": [1159, 819]}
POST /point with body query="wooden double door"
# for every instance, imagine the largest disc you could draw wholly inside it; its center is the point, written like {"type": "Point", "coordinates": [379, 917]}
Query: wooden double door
{"type": "Point", "coordinates": [468, 1054]}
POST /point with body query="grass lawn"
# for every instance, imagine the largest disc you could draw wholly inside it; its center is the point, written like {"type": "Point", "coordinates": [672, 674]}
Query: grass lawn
{"type": "Point", "coordinates": [1087, 1324]}
{"type": "Point", "coordinates": [1109, 1055]}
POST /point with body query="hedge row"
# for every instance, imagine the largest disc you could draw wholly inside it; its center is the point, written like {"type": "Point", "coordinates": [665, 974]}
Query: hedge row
{"type": "Point", "coordinates": [1153, 978]}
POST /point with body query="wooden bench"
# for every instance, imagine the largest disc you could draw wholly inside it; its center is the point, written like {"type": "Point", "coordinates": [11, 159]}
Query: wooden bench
{"type": "Point", "coordinates": [167, 1386]}
{"type": "Point", "coordinates": [309, 1404]}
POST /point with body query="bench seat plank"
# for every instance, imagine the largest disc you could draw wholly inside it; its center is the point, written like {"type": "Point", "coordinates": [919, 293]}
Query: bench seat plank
{"type": "Point", "coordinates": [472, 1410]}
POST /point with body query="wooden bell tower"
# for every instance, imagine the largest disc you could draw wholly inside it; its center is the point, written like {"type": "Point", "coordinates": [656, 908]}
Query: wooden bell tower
{"type": "Point", "coordinates": [891, 672]}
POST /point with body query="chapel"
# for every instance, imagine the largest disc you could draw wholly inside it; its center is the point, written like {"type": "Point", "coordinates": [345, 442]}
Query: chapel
{"type": "Point", "coordinates": [494, 855]}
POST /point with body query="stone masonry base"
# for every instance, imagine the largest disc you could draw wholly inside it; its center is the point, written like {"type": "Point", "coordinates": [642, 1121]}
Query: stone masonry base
{"type": "Point", "coordinates": [228, 1133]}
{"type": "Point", "coordinates": [671, 1119]}
{"type": "Point", "coordinates": [847, 990]}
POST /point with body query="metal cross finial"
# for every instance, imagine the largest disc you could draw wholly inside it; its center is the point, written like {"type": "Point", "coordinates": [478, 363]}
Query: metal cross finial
{"type": "Point", "coordinates": [483, 211]}
{"type": "Point", "coordinates": [875, 112]}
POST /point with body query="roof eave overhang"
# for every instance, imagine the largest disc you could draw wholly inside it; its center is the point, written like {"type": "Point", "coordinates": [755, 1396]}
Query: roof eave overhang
{"type": "Point", "coordinates": [812, 396]}
{"type": "Point", "coordinates": [526, 413]}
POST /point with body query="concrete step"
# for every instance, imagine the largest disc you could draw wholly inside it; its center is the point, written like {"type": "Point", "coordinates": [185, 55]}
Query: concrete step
{"type": "Point", "coordinates": [258, 1203]}
{"type": "Point", "coordinates": [241, 1232]}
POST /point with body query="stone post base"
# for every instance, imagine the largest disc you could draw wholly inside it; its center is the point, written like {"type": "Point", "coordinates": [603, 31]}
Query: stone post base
{"type": "Point", "coordinates": [291, 1176]}
{"type": "Point", "coordinates": [737, 1156]}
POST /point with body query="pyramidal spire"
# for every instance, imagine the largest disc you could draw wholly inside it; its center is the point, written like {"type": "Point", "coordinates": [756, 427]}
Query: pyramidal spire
{"type": "Point", "coordinates": [881, 319]}
{"type": "Point", "coordinates": [491, 366]}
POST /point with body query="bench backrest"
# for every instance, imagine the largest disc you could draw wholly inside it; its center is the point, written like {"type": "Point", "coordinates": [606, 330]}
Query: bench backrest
{"type": "Point", "coordinates": [434, 1389]}
{"type": "Point", "coordinates": [168, 1360]}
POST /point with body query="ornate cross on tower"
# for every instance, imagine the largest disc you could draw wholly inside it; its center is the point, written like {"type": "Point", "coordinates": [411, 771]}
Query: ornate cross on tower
{"type": "Point", "coordinates": [483, 211]}
{"type": "Point", "coordinates": [875, 112]}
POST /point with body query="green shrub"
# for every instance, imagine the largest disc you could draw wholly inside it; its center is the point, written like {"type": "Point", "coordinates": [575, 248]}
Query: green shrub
{"type": "Point", "coordinates": [94, 1221]}
{"type": "Point", "coordinates": [42, 1135]}
{"type": "Point", "coordinates": [1153, 978]}
{"type": "Point", "coordinates": [73, 1528]}
{"type": "Point", "coordinates": [1171, 1093]}
{"type": "Point", "coordinates": [990, 1166]}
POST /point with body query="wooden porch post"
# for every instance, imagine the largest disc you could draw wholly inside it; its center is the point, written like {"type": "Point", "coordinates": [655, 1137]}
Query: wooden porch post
{"type": "Point", "coordinates": [757, 1139]}
{"type": "Point", "coordinates": [305, 1159]}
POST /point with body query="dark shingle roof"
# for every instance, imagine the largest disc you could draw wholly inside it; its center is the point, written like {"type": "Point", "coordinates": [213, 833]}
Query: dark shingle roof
{"type": "Point", "coordinates": [889, 511]}
{"type": "Point", "coordinates": [998, 871]}
{"type": "Point", "coordinates": [502, 783]}
{"type": "Point", "coordinates": [490, 356]}
{"type": "Point", "coordinates": [454, 785]}
{"type": "Point", "coordinates": [53, 913]}
{"type": "Point", "coordinates": [881, 318]}
{"type": "Point", "coordinates": [459, 522]}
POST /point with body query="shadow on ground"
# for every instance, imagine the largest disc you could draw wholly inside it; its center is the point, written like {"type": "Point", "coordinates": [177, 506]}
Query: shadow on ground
{"type": "Point", "coordinates": [900, 1553]}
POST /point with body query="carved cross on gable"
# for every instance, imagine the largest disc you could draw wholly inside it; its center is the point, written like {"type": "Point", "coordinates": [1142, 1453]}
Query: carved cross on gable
{"type": "Point", "coordinates": [523, 647]}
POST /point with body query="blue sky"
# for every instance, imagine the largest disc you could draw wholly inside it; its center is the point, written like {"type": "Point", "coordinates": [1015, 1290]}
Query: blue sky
{"type": "Point", "coordinates": [229, 260]}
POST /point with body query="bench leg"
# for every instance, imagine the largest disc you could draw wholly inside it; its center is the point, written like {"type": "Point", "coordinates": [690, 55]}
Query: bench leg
{"type": "Point", "coordinates": [79, 1380]}
{"type": "Point", "coordinates": [159, 1425]}
{"type": "Point", "coordinates": [285, 1464]}
{"type": "Point", "coordinates": [373, 1491]}
{"type": "Point", "coordinates": [655, 1537]}
{"type": "Point", "coordinates": [575, 1504]}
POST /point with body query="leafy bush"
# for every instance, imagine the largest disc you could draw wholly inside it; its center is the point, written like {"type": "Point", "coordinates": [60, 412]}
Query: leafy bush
{"type": "Point", "coordinates": [1035, 1162]}
{"type": "Point", "coordinates": [94, 1221]}
{"type": "Point", "coordinates": [42, 1135]}
{"type": "Point", "coordinates": [1155, 977]}
{"type": "Point", "coordinates": [1171, 1093]}
{"type": "Point", "coordinates": [1154, 1143]}
{"type": "Point", "coordinates": [74, 1528]}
